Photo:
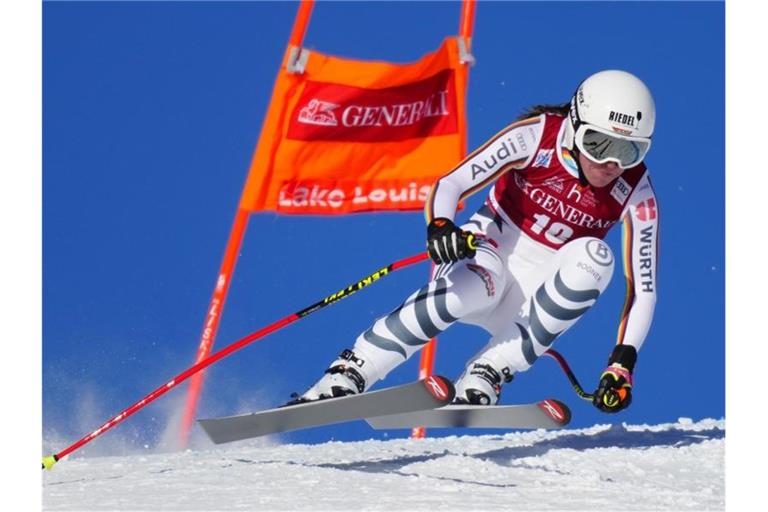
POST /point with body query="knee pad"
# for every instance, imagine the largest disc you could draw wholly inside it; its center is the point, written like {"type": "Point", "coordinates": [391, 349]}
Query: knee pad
{"type": "Point", "coordinates": [586, 264]}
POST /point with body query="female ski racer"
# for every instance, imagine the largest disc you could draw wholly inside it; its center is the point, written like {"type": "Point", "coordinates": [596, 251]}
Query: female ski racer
{"type": "Point", "coordinates": [532, 260]}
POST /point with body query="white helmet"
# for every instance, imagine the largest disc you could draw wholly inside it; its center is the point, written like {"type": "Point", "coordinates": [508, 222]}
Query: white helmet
{"type": "Point", "coordinates": [613, 115]}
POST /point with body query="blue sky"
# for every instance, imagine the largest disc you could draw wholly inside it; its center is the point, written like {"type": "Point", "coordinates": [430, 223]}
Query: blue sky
{"type": "Point", "coordinates": [150, 115]}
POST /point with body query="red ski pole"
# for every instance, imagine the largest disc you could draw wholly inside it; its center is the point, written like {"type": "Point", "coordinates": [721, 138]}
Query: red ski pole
{"type": "Point", "coordinates": [50, 460]}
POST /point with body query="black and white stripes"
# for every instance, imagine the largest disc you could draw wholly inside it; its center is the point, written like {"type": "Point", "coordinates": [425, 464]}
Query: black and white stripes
{"type": "Point", "coordinates": [551, 312]}
{"type": "Point", "coordinates": [420, 318]}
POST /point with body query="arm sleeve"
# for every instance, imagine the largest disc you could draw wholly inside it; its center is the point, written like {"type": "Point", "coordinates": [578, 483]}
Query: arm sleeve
{"type": "Point", "coordinates": [640, 250]}
{"type": "Point", "coordinates": [513, 147]}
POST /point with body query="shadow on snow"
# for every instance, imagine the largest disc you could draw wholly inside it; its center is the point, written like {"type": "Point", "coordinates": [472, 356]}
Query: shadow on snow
{"type": "Point", "coordinates": [617, 436]}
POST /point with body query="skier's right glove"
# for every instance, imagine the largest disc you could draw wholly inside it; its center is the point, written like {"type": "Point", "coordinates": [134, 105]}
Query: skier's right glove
{"type": "Point", "coordinates": [447, 243]}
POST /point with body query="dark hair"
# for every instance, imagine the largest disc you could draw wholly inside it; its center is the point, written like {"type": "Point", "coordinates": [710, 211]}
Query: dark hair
{"type": "Point", "coordinates": [536, 110]}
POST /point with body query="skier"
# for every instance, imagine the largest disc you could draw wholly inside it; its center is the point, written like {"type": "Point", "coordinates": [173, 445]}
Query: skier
{"type": "Point", "coordinates": [532, 260]}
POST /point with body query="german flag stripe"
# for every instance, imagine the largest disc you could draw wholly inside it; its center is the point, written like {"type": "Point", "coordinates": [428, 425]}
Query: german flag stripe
{"type": "Point", "coordinates": [430, 210]}
{"type": "Point", "coordinates": [628, 238]}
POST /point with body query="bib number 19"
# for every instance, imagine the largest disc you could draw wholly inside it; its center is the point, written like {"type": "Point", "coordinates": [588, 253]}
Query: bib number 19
{"type": "Point", "coordinates": [554, 232]}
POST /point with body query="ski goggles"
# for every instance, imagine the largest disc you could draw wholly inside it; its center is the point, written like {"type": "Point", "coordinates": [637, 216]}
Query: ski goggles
{"type": "Point", "coordinates": [602, 146]}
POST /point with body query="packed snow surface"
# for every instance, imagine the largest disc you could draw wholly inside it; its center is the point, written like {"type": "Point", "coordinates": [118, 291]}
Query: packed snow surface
{"type": "Point", "coordinates": [676, 467]}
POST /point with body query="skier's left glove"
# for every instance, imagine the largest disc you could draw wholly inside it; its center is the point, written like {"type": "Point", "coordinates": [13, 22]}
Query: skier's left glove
{"type": "Point", "coordinates": [614, 392]}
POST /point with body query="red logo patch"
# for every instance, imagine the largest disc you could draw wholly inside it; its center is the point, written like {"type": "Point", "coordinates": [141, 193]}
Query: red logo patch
{"type": "Point", "coordinates": [553, 410]}
{"type": "Point", "coordinates": [437, 388]}
{"type": "Point", "coordinates": [336, 112]}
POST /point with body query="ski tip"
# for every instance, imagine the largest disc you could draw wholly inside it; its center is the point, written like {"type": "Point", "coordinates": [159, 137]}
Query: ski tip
{"type": "Point", "coordinates": [49, 461]}
{"type": "Point", "coordinates": [440, 388]}
{"type": "Point", "coordinates": [556, 410]}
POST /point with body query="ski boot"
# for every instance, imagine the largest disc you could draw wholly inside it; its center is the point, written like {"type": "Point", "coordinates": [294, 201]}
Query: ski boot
{"type": "Point", "coordinates": [480, 384]}
{"type": "Point", "coordinates": [342, 378]}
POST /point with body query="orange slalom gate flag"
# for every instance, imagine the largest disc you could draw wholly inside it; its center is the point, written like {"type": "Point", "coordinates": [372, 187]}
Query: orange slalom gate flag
{"type": "Point", "coordinates": [353, 136]}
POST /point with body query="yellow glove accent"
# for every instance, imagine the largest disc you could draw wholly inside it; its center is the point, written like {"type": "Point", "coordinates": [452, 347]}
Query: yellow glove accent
{"type": "Point", "coordinates": [471, 241]}
{"type": "Point", "coordinates": [611, 399]}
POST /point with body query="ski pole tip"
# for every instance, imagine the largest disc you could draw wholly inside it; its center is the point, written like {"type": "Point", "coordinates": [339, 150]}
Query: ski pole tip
{"type": "Point", "coordinates": [49, 461]}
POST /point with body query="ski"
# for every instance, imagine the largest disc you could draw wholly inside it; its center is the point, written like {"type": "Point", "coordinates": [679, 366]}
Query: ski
{"type": "Point", "coordinates": [549, 414]}
{"type": "Point", "coordinates": [432, 392]}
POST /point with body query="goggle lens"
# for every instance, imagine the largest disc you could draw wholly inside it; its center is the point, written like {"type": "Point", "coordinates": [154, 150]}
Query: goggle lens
{"type": "Point", "coordinates": [601, 147]}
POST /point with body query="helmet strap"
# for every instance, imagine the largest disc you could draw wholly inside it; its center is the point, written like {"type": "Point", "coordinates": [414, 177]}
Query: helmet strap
{"type": "Point", "coordinates": [575, 120]}
{"type": "Point", "coordinates": [582, 177]}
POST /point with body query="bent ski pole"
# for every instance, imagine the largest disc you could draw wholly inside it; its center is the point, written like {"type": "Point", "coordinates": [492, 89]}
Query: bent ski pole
{"type": "Point", "coordinates": [569, 373]}
{"type": "Point", "coordinates": [50, 460]}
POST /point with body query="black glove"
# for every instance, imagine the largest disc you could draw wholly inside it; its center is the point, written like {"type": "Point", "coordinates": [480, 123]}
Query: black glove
{"type": "Point", "coordinates": [447, 243]}
{"type": "Point", "coordinates": [614, 392]}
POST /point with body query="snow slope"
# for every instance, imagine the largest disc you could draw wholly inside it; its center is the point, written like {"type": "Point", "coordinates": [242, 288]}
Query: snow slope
{"type": "Point", "coordinates": [676, 466]}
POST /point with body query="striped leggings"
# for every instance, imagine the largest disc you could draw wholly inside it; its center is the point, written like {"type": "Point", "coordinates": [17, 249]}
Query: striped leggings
{"type": "Point", "coordinates": [522, 293]}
